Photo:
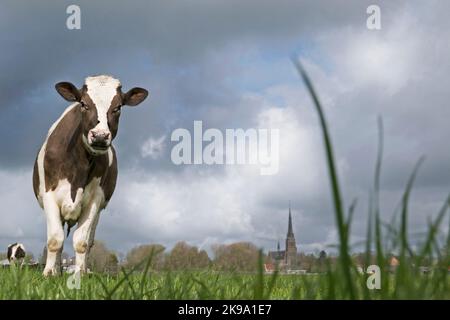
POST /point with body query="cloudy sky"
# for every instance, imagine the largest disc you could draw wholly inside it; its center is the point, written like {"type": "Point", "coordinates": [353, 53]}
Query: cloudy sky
{"type": "Point", "coordinates": [227, 63]}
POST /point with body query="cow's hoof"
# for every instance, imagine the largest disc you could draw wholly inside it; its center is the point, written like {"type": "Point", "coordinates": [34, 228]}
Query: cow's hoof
{"type": "Point", "coordinates": [50, 273]}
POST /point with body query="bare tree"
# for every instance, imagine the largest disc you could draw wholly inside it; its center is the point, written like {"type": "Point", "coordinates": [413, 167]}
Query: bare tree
{"type": "Point", "coordinates": [137, 257]}
{"type": "Point", "coordinates": [186, 257]}
{"type": "Point", "coordinates": [240, 256]}
{"type": "Point", "coordinates": [101, 259]}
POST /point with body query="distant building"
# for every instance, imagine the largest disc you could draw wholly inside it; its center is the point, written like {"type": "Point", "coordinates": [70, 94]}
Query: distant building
{"type": "Point", "coordinates": [285, 259]}
{"type": "Point", "coordinates": [393, 264]}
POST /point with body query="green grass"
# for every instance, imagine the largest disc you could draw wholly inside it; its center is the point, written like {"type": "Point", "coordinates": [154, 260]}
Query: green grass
{"type": "Point", "coordinates": [30, 284]}
{"type": "Point", "coordinates": [341, 281]}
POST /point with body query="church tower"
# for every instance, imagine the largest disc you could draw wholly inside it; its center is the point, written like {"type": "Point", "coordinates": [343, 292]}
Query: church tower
{"type": "Point", "coordinates": [291, 247]}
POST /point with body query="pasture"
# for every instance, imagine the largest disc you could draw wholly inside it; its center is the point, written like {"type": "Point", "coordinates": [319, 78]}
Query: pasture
{"type": "Point", "coordinates": [30, 284]}
{"type": "Point", "coordinates": [340, 281]}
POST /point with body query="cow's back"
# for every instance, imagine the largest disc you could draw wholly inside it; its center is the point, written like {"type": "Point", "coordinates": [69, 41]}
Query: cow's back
{"type": "Point", "coordinates": [38, 170]}
{"type": "Point", "coordinates": [36, 180]}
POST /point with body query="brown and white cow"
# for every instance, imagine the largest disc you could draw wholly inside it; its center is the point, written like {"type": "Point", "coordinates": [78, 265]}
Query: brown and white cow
{"type": "Point", "coordinates": [75, 170]}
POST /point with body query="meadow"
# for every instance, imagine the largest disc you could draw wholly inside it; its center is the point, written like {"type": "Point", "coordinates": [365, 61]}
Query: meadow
{"type": "Point", "coordinates": [340, 280]}
{"type": "Point", "coordinates": [30, 284]}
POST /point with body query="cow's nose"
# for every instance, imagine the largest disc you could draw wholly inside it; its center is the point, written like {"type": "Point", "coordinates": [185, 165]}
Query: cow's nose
{"type": "Point", "coordinates": [100, 136]}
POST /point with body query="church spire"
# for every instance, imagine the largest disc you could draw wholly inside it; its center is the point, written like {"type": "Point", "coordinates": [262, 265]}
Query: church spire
{"type": "Point", "coordinates": [290, 232]}
{"type": "Point", "coordinates": [291, 248]}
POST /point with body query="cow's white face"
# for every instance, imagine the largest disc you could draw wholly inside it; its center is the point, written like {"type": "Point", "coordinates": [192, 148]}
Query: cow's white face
{"type": "Point", "coordinates": [104, 92]}
{"type": "Point", "coordinates": [16, 252]}
{"type": "Point", "coordinates": [100, 100]}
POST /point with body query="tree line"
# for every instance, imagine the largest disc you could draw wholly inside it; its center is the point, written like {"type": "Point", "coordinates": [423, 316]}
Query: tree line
{"type": "Point", "coordinates": [239, 256]}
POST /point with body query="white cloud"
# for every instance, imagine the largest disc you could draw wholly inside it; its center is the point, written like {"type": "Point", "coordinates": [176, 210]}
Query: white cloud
{"type": "Point", "coordinates": [22, 220]}
{"type": "Point", "coordinates": [200, 204]}
{"type": "Point", "coordinates": [388, 58]}
{"type": "Point", "coordinates": [153, 147]}
{"type": "Point", "coordinates": [204, 205]}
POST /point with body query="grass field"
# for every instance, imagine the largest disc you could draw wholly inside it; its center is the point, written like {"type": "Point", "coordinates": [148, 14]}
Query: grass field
{"type": "Point", "coordinates": [341, 281]}
{"type": "Point", "coordinates": [30, 284]}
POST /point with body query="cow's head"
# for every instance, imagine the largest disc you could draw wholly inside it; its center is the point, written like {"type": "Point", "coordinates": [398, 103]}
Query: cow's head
{"type": "Point", "coordinates": [16, 251]}
{"type": "Point", "coordinates": [100, 101]}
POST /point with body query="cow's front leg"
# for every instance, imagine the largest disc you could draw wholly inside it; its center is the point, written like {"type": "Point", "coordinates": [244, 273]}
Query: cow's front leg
{"type": "Point", "coordinates": [55, 236]}
{"type": "Point", "coordinates": [83, 237]}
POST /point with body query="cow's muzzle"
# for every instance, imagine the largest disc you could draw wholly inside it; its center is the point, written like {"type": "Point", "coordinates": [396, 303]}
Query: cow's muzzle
{"type": "Point", "coordinates": [99, 140]}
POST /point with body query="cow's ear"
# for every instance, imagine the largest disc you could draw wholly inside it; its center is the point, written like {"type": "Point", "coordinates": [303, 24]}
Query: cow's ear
{"type": "Point", "coordinates": [134, 96]}
{"type": "Point", "coordinates": [68, 91]}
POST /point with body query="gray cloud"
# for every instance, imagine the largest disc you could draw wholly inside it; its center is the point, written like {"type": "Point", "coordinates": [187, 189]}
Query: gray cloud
{"type": "Point", "coordinates": [227, 64]}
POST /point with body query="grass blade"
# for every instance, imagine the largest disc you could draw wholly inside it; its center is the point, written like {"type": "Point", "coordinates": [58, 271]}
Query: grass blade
{"type": "Point", "coordinates": [336, 191]}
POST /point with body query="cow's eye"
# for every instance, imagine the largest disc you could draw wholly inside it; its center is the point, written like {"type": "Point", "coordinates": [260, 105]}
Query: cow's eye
{"type": "Point", "coordinates": [117, 109]}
